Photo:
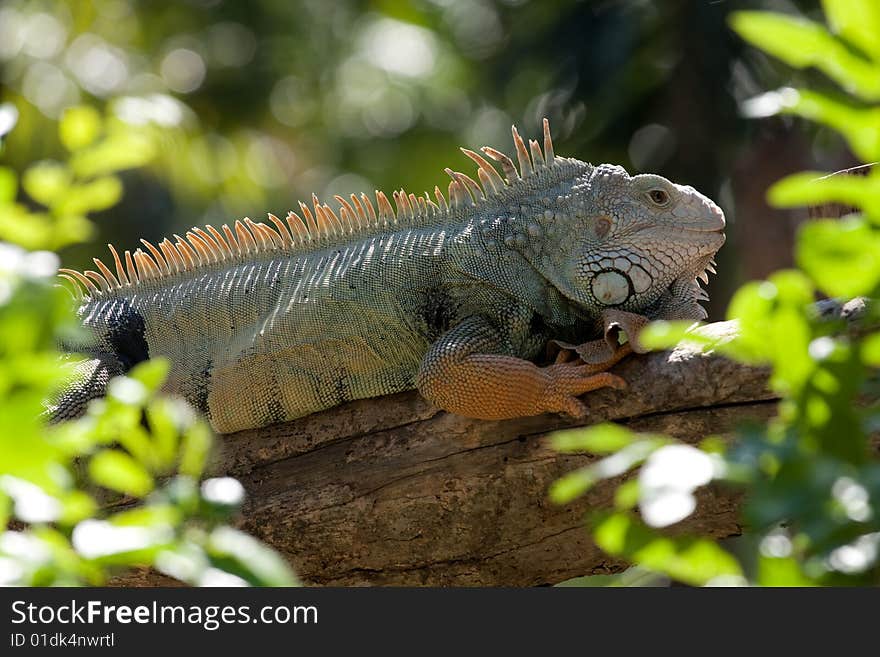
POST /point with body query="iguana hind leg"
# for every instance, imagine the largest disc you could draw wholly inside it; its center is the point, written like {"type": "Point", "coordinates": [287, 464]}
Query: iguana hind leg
{"type": "Point", "coordinates": [461, 374]}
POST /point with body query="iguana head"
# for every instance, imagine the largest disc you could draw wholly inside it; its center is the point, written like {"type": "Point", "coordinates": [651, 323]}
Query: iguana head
{"type": "Point", "coordinates": [606, 239]}
{"type": "Point", "coordinates": [639, 243]}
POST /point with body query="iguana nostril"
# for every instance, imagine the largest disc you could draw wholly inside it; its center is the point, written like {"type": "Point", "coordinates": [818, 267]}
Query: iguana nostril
{"type": "Point", "coordinates": [705, 218]}
{"type": "Point", "coordinates": [720, 216]}
{"type": "Point", "coordinates": [716, 216]}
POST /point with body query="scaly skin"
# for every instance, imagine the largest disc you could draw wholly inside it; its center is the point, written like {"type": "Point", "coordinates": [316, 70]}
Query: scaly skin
{"type": "Point", "coordinates": [264, 325]}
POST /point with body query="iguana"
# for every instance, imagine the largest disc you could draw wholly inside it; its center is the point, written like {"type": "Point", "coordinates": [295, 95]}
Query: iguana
{"type": "Point", "coordinates": [455, 295]}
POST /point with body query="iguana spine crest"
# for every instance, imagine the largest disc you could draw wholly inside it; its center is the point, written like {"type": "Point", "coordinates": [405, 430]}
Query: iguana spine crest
{"type": "Point", "coordinates": [318, 226]}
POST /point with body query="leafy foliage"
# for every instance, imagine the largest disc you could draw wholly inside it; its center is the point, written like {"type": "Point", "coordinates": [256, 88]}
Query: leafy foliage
{"type": "Point", "coordinates": [119, 486]}
{"type": "Point", "coordinates": [811, 479]}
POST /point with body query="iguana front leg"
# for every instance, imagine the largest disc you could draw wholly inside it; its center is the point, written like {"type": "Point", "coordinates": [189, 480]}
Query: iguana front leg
{"type": "Point", "coordinates": [607, 350]}
{"type": "Point", "coordinates": [468, 372]}
{"type": "Point", "coordinates": [89, 381]}
{"type": "Point", "coordinates": [677, 303]}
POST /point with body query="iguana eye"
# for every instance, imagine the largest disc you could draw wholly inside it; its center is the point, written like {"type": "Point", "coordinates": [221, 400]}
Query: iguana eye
{"type": "Point", "coordinates": [659, 196]}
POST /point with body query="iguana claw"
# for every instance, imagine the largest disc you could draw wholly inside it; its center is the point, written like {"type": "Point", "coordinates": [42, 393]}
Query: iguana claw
{"type": "Point", "coordinates": [568, 382]}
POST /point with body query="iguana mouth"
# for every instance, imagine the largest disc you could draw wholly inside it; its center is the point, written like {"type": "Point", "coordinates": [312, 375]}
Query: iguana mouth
{"type": "Point", "coordinates": [709, 241]}
{"type": "Point", "coordinates": [715, 222]}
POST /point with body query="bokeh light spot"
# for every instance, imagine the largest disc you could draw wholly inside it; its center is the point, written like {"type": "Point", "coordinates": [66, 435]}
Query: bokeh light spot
{"type": "Point", "coordinates": [183, 70]}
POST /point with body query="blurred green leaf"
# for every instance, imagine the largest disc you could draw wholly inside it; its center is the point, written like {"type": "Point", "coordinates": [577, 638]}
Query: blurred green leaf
{"type": "Point", "coordinates": [74, 437]}
{"type": "Point", "coordinates": [695, 561]}
{"type": "Point", "coordinates": [802, 43]}
{"type": "Point", "coordinates": [37, 463]}
{"type": "Point", "coordinates": [599, 439]}
{"type": "Point", "coordinates": [713, 445]}
{"type": "Point", "coordinates": [136, 441]}
{"type": "Point", "coordinates": [129, 391]}
{"type": "Point", "coordinates": [185, 561]}
{"type": "Point", "coordinates": [771, 325]}
{"type": "Point", "coordinates": [240, 554]}
{"type": "Point", "coordinates": [31, 230]}
{"type": "Point", "coordinates": [8, 118]}
{"type": "Point", "coordinates": [76, 505]}
{"type": "Point", "coordinates": [154, 514]}
{"type": "Point", "coordinates": [62, 566]}
{"type": "Point", "coordinates": [859, 125]}
{"type": "Point", "coordinates": [47, 182]}
{"type": "Point", "coordinates": [105, 543]}
{"type": "Point", "coordinates": [815, 188]}
{"type": "Point", "coordinates": [71, 229]}
{"type": "Point", "coordinates": [118, 471]}
{"type": "Point", "coordinates": [8, 185]}
{"type": "Point", "coordinates": [224, 495]}
{"type": "Point", "coordinates": [871, 350]}
{"type": "Point", "coordinates": [183, 492]}
{"type": "Point", "coordinates": [790, 342]}
{"type": "Point", "coordinates": [752, 305]}
{"type": "Point", "coordinates": [663, 334]}
{"type": "Point", "coordinates": [588, 581]}
{"type": "Point", "coordinates": [151, 373]}
{"type": "Point", "coordinates": [195, 446]}
{"type": "Point", "coordinates": [122, 150]}
{"type": "Point", "coordinates": [631, 577]}
{"type": "Point", "coordinates": [857, 21]}
{"type": "Point", "coordinates": [627, 495]}
{"type": "Point", "coordinates": [163, 427]}
{"type": "Point", "coordinates": [574, 484]}
{"type": "Point", "coordinates": [5, 509]}
{"type": "Point", "coordinates": [842, 257]}
{"type": "Point", "coordinates": [93, 196]}
{"type": "Point", "coordinates": [781, 571]}
{"type": "Point", "coordinates": [79, 126]}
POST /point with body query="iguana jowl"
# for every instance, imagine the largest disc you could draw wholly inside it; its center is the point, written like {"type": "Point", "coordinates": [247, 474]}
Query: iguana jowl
{"type": "Point", "coordinates": [454, 295]}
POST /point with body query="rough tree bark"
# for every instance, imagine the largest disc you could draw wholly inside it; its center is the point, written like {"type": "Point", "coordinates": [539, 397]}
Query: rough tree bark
{"type": "Point", "coordinates": [393, 491]}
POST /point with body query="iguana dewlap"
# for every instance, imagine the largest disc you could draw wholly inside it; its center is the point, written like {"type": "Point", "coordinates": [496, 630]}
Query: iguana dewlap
{"type": "Point", "coordinates": [455, 295]}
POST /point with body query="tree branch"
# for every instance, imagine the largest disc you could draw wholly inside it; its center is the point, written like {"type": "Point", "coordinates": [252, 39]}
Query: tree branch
{"type": "Point", "coordinates": [394, 491]}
